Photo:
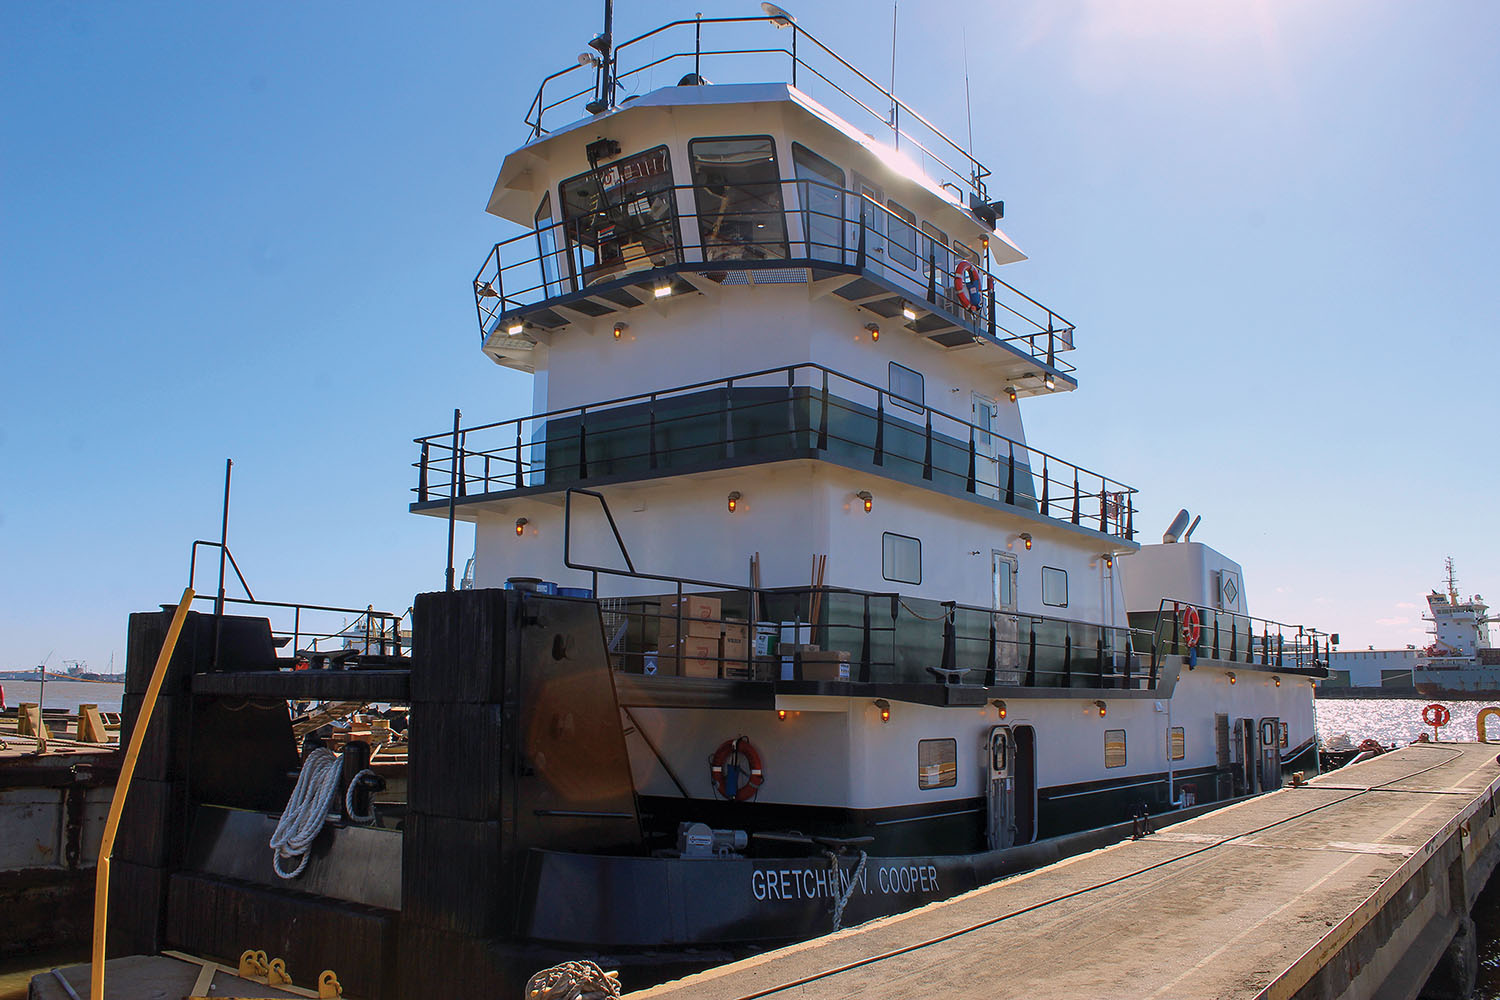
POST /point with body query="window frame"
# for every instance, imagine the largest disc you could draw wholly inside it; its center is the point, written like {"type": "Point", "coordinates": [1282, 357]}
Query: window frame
{"type": "Point", "coordinates": [785, 244]}
{"type": "Point", "coordinates": [598, 270]}
{"type": "Point", "coordinates": [1177, 737]}
{"type": "Point", "coordinates": [1054, 604]}
{"type": "Point", "coordinates": [1124, 748]}
{"type": "Point", "coordinates": [885, 569]}
{"type": "Point", "coordinates": [896, 250]}
{"type": "Point", "coordinates": [947, 778]}
{"type": "Point", "coordinates": [804, 158]}
{"type": "Point", "coordinates": [917, 405]}
{"type": "Point", "coordinates": [544, 254]}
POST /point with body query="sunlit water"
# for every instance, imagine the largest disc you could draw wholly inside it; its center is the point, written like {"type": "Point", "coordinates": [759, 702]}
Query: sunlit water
{"type": "Point", "coordinates": [1396, 720]}
{"type": "Point", "coordinates": [66, 695]}
{"type": "Point", "coordinates": [1400, 721]}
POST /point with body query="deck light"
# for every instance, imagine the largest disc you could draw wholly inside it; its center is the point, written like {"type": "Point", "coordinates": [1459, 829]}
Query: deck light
{"type": "Point", "coordinates": [781, 714]}
{"type": "Point", "coordinates": [907, 310]}
{"type": "Point", "coordinates": [778, 17]}
{"type": "Point", "coordinates": [999, 707]}
{"type": "Point", "coordinates": [1232, 678]}
{"type": "Point", "coordinates": [1277, 680]}
{"type": "Point", "coordinates": [521, 523]}
{"type": "Point", "coordinates": [1102, 709]}
{"type": "Point", "coordinates": [734, 501]}
{"type": "Point", "coordinates": [874, 329]}
{"type": "Point", "coordinates": [663, 290]}
{"type": "Point", "coordinates": [1026, 538]}
{"type": "Point", "coordinates": [1047, 381]}
{"type": "Point", "coordinates": [515, 328]}
{"type": "Point", "coordinates": [485, 290]}
{"type": "Point", "coordinates": [868, 498]}
{"type": "Point", "coordinates": [1109, 561]}
{"type": "Point", "coordinates": [1010, 393]}
{"type": "Point", "coordinates": [620, 328]}
{"type": "Point", "coordinates": [885, 709]}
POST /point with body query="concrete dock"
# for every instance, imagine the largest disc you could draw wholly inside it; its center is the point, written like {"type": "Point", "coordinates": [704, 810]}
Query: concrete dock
{"type": "Point", "coordinates": [1355, 885]}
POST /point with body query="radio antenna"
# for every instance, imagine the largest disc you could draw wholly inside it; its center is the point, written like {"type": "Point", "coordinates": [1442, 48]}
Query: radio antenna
{"type": "Point", "coordinates": [893, 74]}
{"type": "Point", "coordinates": [968, 107]}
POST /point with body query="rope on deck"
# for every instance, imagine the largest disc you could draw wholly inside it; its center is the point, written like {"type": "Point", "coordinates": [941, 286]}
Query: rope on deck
{"type": "Point", "coordinates": [573, 981]}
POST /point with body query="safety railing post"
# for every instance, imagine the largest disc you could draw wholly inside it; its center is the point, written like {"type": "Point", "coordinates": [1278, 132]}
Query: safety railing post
{"type": "Point", "coordinates": [969, 481]}
{"type": "Point", "coordinates": [823, 415]}
{"type": "Point", "coordinates": [1010, 477]}
{"type": "Point", "coordinates": [1031, 654]}
{"type": "Point", "coordinates": [927, 448]}
{"type": "Point", "coordinates": [583, 442]}
{"type": "Point", "coordinates": [879, 428]}
{"type": "Point", "coordinates": [651, 429]}
{"type": "Point", "coordinates": [1067, 656]}
{"type": "Point", "coordinates": [422, 475]}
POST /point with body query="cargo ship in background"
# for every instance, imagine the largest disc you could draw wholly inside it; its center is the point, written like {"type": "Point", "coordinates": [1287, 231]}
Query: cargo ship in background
{"type": "Point", "coordinates": [1459, 662]}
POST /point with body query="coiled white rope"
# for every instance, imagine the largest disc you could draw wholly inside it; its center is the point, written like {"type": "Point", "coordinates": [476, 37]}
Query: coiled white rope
{"type": "Point", "coordinates": [364, 819]}
{"type": "Point", "coordinates": [316, 793]}
{"type": "Point", "coordinates": [573, 981]}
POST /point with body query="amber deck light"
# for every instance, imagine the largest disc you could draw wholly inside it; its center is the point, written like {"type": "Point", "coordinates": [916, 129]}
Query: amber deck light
{"type": "Point", "coordinates": [734, 501]}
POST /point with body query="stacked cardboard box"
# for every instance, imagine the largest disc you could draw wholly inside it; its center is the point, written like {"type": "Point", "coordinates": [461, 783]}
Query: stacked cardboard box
{"type": "Point", "coordinates": [736, 648]}
{"type": "Point", "coordinates": [688, 640]}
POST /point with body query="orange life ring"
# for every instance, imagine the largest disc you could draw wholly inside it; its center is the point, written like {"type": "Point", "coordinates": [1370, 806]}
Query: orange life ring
{"type": "Point", "coordinates": [1436, 715]}
{"type": "Point", "coordinates": [1192, 630]}
{"type": "Point", "coordinates": [749, 784]}
{"type": "Point", "coordinates": [966, 286]}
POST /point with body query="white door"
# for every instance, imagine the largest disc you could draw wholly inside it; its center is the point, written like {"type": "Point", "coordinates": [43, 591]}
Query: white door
{"type": "Point", "coordinates": [990, 467]}
{"type": "Point", "coordinates": [869, 206]}
{"type": "Point", "coordinates": [1008, 669]}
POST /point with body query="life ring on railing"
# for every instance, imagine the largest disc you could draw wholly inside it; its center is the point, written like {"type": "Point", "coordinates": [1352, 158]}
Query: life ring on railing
{"type": "Point", "coordinates": [1192, 629]}
{"type": "Point", "coordinates": [1480, 727]}
{"type": "Point", "coordinates": [744, 782]}
{"type": "Point", "coordinates": [1436, 715]}
{"type": "Point", "coordinates": [966, 285]}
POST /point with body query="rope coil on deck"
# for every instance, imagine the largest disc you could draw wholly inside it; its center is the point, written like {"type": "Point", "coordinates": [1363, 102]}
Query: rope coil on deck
{"type": "Point", "coordinates": [573, 981]}
{"type": "Point", "coordinates": [316, 793]}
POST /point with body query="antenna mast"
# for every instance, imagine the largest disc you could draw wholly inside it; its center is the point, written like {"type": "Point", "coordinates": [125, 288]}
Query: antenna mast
{"type": "Point", "coordinates": [1452, 582]}
{"type": "Point", "coordinates": [895, 127]}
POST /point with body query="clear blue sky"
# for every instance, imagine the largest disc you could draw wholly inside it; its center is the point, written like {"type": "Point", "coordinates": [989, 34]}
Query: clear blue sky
{"type": "Point", "coordinates": [248, 230]}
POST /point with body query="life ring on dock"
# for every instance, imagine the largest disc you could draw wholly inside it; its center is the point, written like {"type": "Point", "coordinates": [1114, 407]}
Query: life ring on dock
{"type": "Point", "coordinates": [747, 779]}
{"type": "Point", "coordinates": [1192, 629]}
{"type": "Point", "coordinates": [966, 285]}
{"type": "Point", "coordinates": [1436, 715]}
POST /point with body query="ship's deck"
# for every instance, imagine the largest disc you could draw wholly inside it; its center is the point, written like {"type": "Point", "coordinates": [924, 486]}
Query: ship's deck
{"type": "Point", "coordinates": [1255, 897]}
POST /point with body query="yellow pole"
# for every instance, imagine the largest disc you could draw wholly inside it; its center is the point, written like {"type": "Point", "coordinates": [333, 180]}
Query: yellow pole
{"type": "Point", "coordinates": [117, 804]}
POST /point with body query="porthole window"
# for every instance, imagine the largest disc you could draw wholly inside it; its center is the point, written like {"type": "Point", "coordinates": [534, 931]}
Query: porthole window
{"type": "Point", "coordinates": [1054, 587]}
{"type": "Point", "coordinates": [901, 558]}
{"type": "Point", "coordinates": [1114, 748]}
{"type": "Point", "coordinates": [937, 764]}
{"type": "Point", "coordinates": [1177, 743]}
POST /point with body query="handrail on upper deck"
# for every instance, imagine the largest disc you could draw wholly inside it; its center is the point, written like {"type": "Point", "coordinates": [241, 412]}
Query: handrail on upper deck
{"type": "Point", "coordinates": [976, 174]}
{"type": "Point", "coordinates": [907, 252]}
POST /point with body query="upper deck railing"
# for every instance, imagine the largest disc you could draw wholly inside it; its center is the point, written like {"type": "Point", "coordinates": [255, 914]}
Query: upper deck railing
{"type": "Point", "coordinates": [798, 411]}
{"type": "Point", "coordinates": [792, 224]}
{"type": "Point", "coordinates": [693, 47]}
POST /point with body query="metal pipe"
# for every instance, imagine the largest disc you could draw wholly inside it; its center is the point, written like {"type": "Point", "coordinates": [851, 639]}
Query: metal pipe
{"type": "Point", "coordinates": [453, 497]}
{"type": "Point", "coordinates": [223, 558]}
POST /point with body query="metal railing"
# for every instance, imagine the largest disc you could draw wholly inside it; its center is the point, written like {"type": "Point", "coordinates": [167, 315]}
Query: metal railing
{"type": "Point", "coordinates": [562, 262]}
{"type": "Point", "coordinates": [887, 638]}
{"type": "Point", "coordinates": [832, 79]}
{"type": "Point", "coordinates": [796, 411]}
{"type": "Point", "coordinates": [370, 632]}
{"type": "Point", "coordinates": [1231, 637]}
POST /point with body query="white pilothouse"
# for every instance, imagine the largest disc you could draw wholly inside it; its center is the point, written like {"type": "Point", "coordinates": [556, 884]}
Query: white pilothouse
{"type": "Point", "coordinates": [776, 435]}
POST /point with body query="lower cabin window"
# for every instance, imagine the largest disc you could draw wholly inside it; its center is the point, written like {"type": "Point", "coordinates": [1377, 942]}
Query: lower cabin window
{"type": "Point", "coordinates": [901, 558]}
{"type": "Point", "coordinates": [1054, 587]}
{"type": "Point", "coordinates": [1177, 743]}
{"type": "Point", "coordinates": [1114, 748]}
{"type": "Point", "coordinates": [937, 764]}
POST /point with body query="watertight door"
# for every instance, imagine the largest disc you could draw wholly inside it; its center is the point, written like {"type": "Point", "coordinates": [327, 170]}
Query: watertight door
{"type": "Point", "coordinates": [989, 480]}
{"type": "Point", "coordinates": [1001, 788]}
{"type": "Point", "coordinates": [1270, 753]}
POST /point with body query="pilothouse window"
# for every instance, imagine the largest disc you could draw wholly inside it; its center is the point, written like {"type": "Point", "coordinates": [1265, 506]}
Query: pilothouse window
{"type": "Point", "coordinates": [737, 187]}
{"type": "Point", "coordinates": [820, 188]}
{"type": "Point", "coordinates": [619, 216]}
{"type": "Point", "coordinates": [546, 243]}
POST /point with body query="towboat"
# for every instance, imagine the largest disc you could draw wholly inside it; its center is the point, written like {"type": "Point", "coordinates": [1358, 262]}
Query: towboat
{"type": "Point", "coordinates": [776, 620]}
